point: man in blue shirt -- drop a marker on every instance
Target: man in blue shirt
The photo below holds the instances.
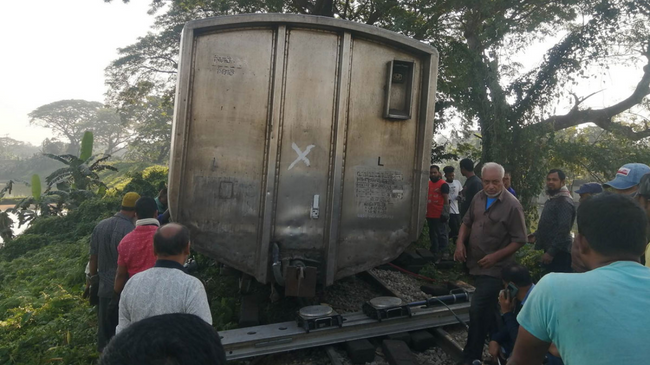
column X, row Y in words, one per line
column 599, row 317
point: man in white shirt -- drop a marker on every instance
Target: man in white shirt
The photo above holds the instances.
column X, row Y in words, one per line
column 454, row 192
column 165, row 288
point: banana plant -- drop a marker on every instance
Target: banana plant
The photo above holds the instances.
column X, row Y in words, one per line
column 39, row 204
column 80, row 173
column 6, row 223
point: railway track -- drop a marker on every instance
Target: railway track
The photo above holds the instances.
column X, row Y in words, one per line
column 325, row 329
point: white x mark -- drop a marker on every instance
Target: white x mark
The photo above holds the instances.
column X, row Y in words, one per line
column 302, row 156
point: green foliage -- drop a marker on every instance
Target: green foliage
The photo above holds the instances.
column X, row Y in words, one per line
column 56, row 229
column 594, row 154
column 147, row 182
column 530, row 258
column 42, row 315
column 222, row 293
column 429, row 270
column 86, row 146
column 38, row 205
column 81, row 173
column 151, row 119
column 441, row 152
column 6, row 227
column 36, row 186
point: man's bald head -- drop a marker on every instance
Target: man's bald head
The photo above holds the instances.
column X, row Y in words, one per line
column 171, row 239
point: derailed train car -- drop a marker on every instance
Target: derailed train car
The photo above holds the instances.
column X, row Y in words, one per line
column 301, row 145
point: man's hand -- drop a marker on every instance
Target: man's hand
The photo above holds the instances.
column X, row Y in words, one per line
column 547, row 259
column 494, row 350
column 488, row 261
column 532, row 238
column 507, row 304
column 86, row 293
column 460, row 254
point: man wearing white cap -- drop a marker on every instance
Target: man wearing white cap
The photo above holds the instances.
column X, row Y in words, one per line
column 627, row 179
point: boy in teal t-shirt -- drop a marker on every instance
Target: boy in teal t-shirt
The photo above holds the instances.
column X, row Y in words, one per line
column 601, row 316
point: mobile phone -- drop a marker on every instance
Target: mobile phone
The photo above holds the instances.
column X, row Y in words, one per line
column 512, row 290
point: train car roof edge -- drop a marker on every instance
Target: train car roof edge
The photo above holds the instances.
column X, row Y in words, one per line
column 310, row 20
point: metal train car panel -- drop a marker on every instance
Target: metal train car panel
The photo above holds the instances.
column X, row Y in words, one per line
column 301, row 145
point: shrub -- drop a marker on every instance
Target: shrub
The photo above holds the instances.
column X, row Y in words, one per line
column 529, row 257
column 148, row 182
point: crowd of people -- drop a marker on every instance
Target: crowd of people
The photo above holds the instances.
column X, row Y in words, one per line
column 146, row 299
column 589, row 307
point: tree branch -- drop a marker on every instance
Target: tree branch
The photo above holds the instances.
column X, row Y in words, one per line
column 304, row 6
column 603, row 117
column 156, row 70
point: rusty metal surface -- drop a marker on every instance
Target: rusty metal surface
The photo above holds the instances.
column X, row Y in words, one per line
column 280, row 136
column 300, row 281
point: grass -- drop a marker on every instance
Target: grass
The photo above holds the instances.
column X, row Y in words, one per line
column 43, row 318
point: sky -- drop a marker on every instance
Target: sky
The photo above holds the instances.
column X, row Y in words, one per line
column 58, row 49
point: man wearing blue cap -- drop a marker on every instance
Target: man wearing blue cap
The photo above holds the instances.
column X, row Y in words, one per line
column 627, row 179
column 589, row 189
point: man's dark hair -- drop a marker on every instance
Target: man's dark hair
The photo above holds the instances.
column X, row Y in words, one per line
column 171, row 245
column 613, row 224
column 517, row 274
column 168, row 339
column 434, row 167
column 467, row 164
column 560, row 174
column 146, row 207
column 448, row 169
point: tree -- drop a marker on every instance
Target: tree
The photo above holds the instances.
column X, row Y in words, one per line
column 478, row 82
column 110, row 131
column 53, row 146
column 11, row 149
column 595, row 154
column 67, row 118
column 152, row 123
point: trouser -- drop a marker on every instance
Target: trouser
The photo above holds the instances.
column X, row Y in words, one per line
column 561, row 263
column 437, row 235
column 483, row 313
column 454, row 225
column 104, row 328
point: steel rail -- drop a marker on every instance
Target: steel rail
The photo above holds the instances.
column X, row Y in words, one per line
column 287, row 336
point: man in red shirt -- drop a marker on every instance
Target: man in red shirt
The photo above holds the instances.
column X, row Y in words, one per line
column 135, row 252
column 437, row 211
